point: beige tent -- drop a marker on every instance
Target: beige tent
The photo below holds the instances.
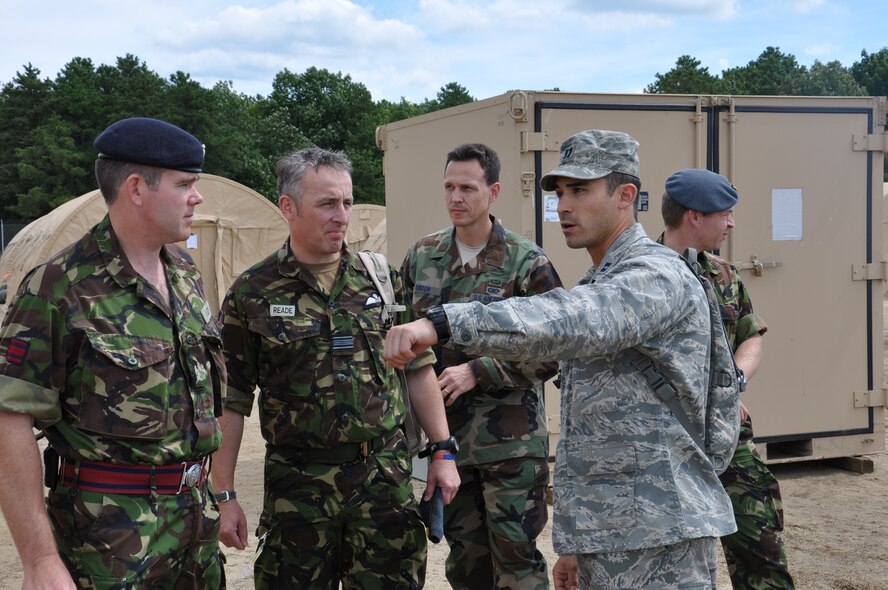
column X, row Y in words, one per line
column 233, row 228
column 366, row 230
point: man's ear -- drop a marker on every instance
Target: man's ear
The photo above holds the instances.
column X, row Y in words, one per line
column 628, row 193
column 133, row 188
column 287, row 206
column 494, row 191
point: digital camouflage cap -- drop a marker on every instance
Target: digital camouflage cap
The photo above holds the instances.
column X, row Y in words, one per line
column 595, row 154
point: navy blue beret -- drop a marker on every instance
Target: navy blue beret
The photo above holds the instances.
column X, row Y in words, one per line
column 151, row 142
column 701, row 190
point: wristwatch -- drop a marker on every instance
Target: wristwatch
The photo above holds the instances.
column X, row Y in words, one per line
column 448, row 444
column 438, row 318
column 225, row 496
column 742, row 381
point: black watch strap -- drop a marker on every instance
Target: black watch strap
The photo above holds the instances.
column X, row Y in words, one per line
column 448, row 444
column 438, row 317
column 225, row 496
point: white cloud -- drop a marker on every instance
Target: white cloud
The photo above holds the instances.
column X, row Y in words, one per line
column 717, row 9
column 805, row 6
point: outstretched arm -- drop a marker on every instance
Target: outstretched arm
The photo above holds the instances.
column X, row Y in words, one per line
column 403, row 343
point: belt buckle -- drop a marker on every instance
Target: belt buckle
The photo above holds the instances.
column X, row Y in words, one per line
column 190, row 475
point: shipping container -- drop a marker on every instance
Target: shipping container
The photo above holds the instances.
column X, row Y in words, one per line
column 808, row 240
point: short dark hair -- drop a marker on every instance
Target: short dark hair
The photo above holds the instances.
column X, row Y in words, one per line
column 673, row 212
column 110, row 174
column 486, row 156
column 617, row 179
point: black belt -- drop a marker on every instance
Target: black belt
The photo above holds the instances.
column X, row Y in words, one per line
column 344, row 453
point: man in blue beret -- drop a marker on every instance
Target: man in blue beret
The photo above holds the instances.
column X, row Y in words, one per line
column 111, row 350
column 698, row 210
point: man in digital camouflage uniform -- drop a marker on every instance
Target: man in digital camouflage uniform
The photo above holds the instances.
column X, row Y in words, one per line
column 698, row 213
column 111, row 350
column 637, row 503
column 495, row 408
column 306, row 326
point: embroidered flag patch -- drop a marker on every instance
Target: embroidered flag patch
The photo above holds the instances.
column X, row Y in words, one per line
column 17, row 351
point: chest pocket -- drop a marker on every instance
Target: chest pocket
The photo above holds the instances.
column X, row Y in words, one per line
column 124, row 386
column 289, row 346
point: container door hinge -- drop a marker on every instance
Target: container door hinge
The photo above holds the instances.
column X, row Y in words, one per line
column 874, row 142
column 876, row 271
column 533, row 142
column 527, row 184
column 870, row 399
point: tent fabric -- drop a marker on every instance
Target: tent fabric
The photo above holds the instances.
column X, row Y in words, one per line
column 233, row 228
column 366, row 230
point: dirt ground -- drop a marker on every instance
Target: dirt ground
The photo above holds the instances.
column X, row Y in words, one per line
column 835, row 526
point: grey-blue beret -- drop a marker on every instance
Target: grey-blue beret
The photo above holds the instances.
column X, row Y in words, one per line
column 701, row 190
column 151, row 142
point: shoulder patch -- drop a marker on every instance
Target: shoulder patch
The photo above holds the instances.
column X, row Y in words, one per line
column 17, row 350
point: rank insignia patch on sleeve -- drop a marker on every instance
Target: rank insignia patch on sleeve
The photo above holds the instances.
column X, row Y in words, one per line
column 17, row 351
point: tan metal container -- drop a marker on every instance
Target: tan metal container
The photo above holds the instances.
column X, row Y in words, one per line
column 808, row 239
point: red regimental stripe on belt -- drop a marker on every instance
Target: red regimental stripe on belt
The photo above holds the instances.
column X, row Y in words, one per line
column 130, row 479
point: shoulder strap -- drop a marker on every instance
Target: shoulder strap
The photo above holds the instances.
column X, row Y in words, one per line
column 378, row 269
column 664, row 390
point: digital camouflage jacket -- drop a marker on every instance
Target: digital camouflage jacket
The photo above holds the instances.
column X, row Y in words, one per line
column 105, row 366
column 316, row 357
column 505, row 415
column 627, row 475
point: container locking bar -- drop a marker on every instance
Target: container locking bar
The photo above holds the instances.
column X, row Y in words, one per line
column 757, row 266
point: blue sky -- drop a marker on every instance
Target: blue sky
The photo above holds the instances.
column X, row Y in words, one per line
column 401, row 48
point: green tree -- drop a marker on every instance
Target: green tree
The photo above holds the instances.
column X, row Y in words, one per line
column 450, row 95
column 129, row 89
column 24, row 105
column 336, row 113
column 389, row 112
column 831, row 79
column 248, row 138
column 773, row 73
column 687, row 77
column 871, row 72
column 50, row 165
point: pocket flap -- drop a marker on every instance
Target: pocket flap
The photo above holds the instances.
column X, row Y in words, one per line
column 130, row 352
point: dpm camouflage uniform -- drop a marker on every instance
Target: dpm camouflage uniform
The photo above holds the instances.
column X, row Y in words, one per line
column 755, row 554
column 628, row 477
column 112, row 373
column 338, row 497
column 493, row 522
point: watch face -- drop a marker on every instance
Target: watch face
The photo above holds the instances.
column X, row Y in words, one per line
column 450, row 444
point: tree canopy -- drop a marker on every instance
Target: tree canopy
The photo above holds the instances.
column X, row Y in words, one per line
column 47, row 126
